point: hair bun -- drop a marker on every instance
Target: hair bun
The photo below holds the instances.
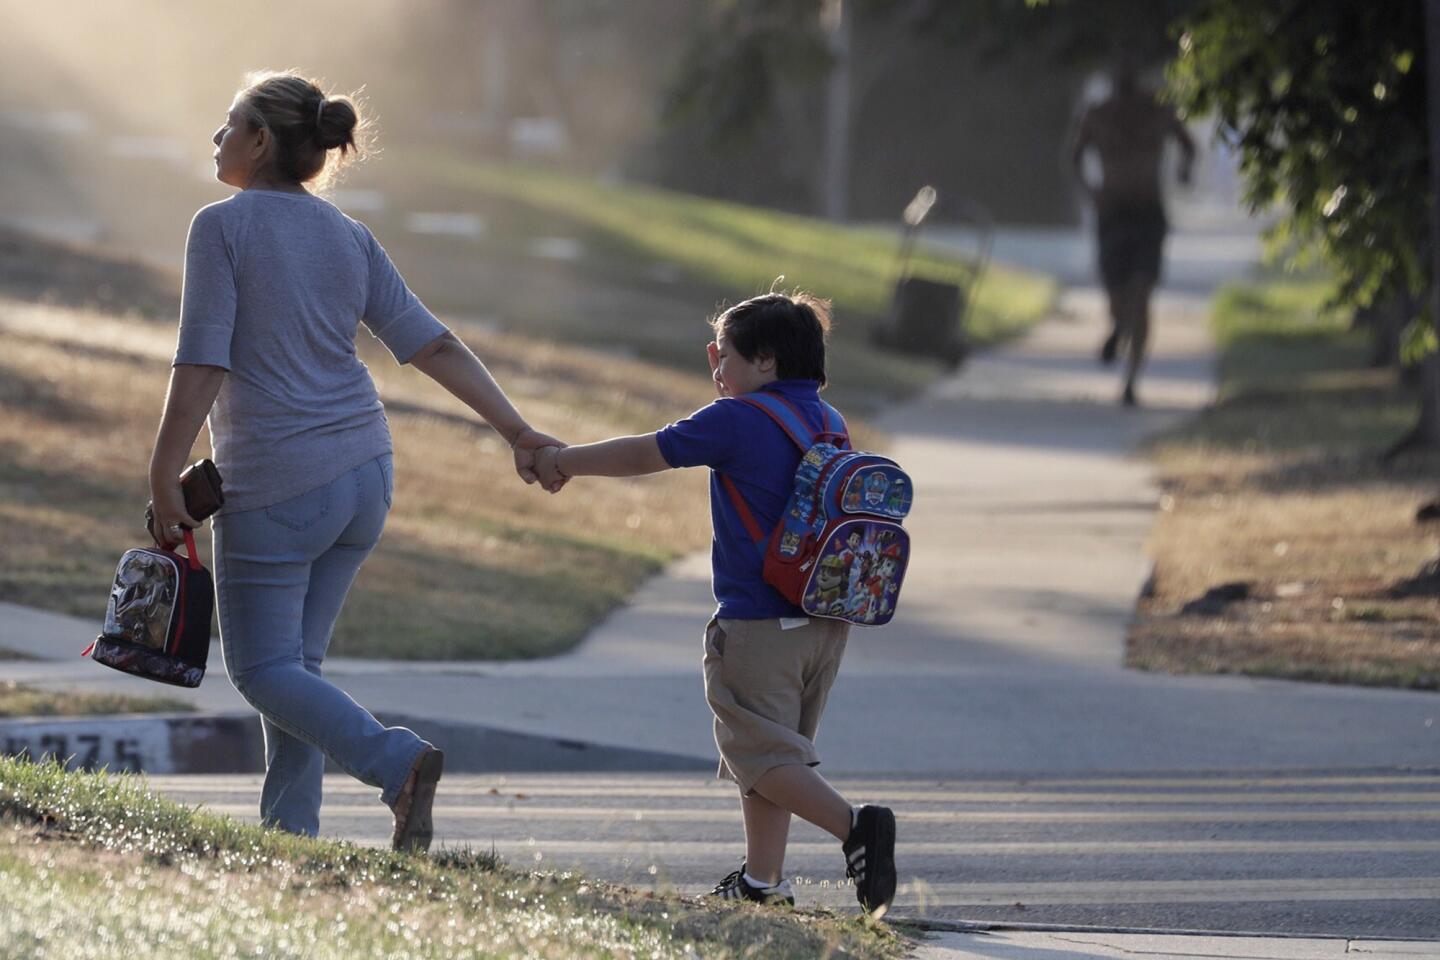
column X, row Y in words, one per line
column 337, row 120
column 305, row 123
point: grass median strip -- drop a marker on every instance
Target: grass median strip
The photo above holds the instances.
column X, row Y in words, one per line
column 18, row 700
column 90, row 863
column 1283, row 547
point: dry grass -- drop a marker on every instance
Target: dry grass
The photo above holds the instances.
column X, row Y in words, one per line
column 474, row 563
column 1279, row 488
column 21, row 701
column 34, row 269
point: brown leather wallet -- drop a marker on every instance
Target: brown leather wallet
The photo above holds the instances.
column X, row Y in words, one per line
column 203, row 489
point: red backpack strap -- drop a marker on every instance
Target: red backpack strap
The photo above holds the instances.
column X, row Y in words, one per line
column 835, row 430
column 194, row 557
column 786, row 417
column 752, row 527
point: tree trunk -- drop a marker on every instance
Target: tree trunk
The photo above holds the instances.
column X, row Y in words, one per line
column 1385, row 322
column 1427, row 432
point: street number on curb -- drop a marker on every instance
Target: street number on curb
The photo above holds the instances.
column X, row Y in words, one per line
column 88, row 751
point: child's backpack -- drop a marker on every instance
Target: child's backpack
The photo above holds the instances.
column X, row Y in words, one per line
column 157, row 624
column 839, row 550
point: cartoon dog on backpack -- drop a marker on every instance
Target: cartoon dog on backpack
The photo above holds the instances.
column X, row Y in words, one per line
column 873, row 601
column 830, row 585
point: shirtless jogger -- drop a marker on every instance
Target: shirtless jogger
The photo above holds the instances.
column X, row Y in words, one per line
column 1128, row 130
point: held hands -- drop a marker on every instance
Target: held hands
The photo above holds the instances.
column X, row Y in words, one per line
column 547, row 468
column 528, row 445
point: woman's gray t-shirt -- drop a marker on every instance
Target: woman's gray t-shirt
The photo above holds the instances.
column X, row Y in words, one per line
column 276, row 285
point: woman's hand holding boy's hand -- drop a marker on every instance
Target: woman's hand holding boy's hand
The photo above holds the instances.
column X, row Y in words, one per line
column 547, row 469
column 526, row 442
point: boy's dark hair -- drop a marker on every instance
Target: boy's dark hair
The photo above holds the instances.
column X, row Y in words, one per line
column 791, row 327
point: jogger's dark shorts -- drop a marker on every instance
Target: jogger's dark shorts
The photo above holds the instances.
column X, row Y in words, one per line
column 1131, row 240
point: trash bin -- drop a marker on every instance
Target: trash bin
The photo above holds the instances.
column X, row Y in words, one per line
column 927, row 313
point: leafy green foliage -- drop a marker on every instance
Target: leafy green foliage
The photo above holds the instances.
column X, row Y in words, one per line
column 1095, row 33
column 1325, row 102
column 733, row 70
column 749, row 51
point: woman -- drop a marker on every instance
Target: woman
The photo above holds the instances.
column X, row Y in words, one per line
column 277, row 281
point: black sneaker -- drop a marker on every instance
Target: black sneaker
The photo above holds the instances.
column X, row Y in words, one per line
column 736, row 887
column 870, row 858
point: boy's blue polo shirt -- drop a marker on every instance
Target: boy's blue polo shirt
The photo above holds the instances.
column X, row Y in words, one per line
column 732, row 437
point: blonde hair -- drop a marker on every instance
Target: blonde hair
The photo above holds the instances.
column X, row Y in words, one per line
column 305, row 125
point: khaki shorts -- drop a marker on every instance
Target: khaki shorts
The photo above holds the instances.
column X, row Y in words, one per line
column 767, row 688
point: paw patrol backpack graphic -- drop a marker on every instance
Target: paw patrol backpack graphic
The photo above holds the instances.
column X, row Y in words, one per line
column 839, row 550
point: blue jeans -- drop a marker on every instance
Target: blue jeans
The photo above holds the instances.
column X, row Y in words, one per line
column 281, row 576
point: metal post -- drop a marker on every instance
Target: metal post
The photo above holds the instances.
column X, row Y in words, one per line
column 835, row 174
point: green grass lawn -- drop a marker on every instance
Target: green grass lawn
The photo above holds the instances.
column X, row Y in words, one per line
column 93, row 865
column 1279, row 486
column 1274, row 334
column 742, row 248
column 1293, row 376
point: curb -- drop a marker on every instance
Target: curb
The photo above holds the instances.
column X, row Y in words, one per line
column 479, row 749
column 234, row 743
column 1000, row 926
column 140, row 743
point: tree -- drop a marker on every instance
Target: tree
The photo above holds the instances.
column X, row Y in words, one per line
column 750, row 52
column 1324, row 100
column 1326, row 103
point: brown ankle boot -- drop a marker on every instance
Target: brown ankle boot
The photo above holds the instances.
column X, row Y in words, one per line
column 414, row 828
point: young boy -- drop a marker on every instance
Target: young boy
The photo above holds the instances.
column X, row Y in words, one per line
column 768, row 667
